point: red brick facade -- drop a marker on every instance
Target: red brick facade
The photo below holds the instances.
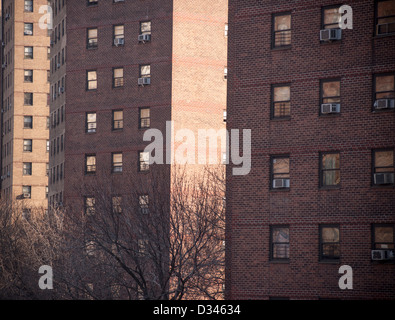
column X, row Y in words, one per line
column 356, row 204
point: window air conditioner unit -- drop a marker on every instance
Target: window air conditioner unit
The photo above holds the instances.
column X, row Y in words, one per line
column 119, row 0
column 119, row 42
column 144, row 81
column 8, row 174
column 330, row 34
column 144, row 37
column 380, row 255
column 26, row 195
column 61, row 89
column 58, row 65
column 384, row 103
column 330, row 108
column 384, row 178
column 4, row 65
column 280, row 183
column 7, row 16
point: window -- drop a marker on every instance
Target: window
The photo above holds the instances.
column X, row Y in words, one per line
column 383, row 167
column 116, row 203
column 144, row 204
column 226, row 30
column 281, row 30
column 119, row 35
column 27, row 145
column 27, row 168
column 28, row 122
column 383, row 236
column 145, row 27
column 28, row 52
column 92, row 80
column 116, row 162
column 90, row 164
column 145, row 118
column 330, row 92
column 28, row 5
column 145, row 71
column 225, row 73
column 91, row 122
column 330, row 169
column 28, row 99
column 27, row 192
column 48, row 146
column 331, row 18
column 279, row 242
column 384, row 88
column 117, row 122
column 280, row 172
column 117, row 77
column 28, row 29
column 46, row 192
column 329, row 242
column 89, row 206
column 92, row 2
column 385, row 17
column 92, row 38
column 48, row 122
column 143, row 161
column 281, row 101
column 28, row 75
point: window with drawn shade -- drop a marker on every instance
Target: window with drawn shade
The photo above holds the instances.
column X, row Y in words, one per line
column 117, row 123
column 330, row 91
column 329, row 242
column 383, row 164
column 383, row 236
column 92, row 38
column 281, row 30
column 89, row 206
column 116, row 162
column 143, row 161
column 281, row 102
column 144, row 204
column 385, row 17
column 90, row 164
column 119, row 32
column 91, row 122
column 280, row 170
column 279, row 243
column 331, row 18
column 330, row 169
column 92, row 80
column 118, row 77
column 116, row 202
column 145, row 27
column 384, row 86
column 145, row 118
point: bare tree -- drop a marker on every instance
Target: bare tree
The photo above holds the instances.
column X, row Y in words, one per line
column 163, row 240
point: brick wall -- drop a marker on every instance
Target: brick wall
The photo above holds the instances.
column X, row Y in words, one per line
column 252, row 208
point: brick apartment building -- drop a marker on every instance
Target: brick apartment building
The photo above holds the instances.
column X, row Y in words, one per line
column 25, row 109
column 321, row 191
column 125, row 67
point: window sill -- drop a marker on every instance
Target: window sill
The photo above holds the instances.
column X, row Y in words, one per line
column 330, row 188
column 333, row 261
column 383, row 186
column 281, row 48
column 329, row 115
column 280, row 190
column 386, row 35
column 281, row 119
column 333, row 42
column 280, row 261
column 383, row 110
